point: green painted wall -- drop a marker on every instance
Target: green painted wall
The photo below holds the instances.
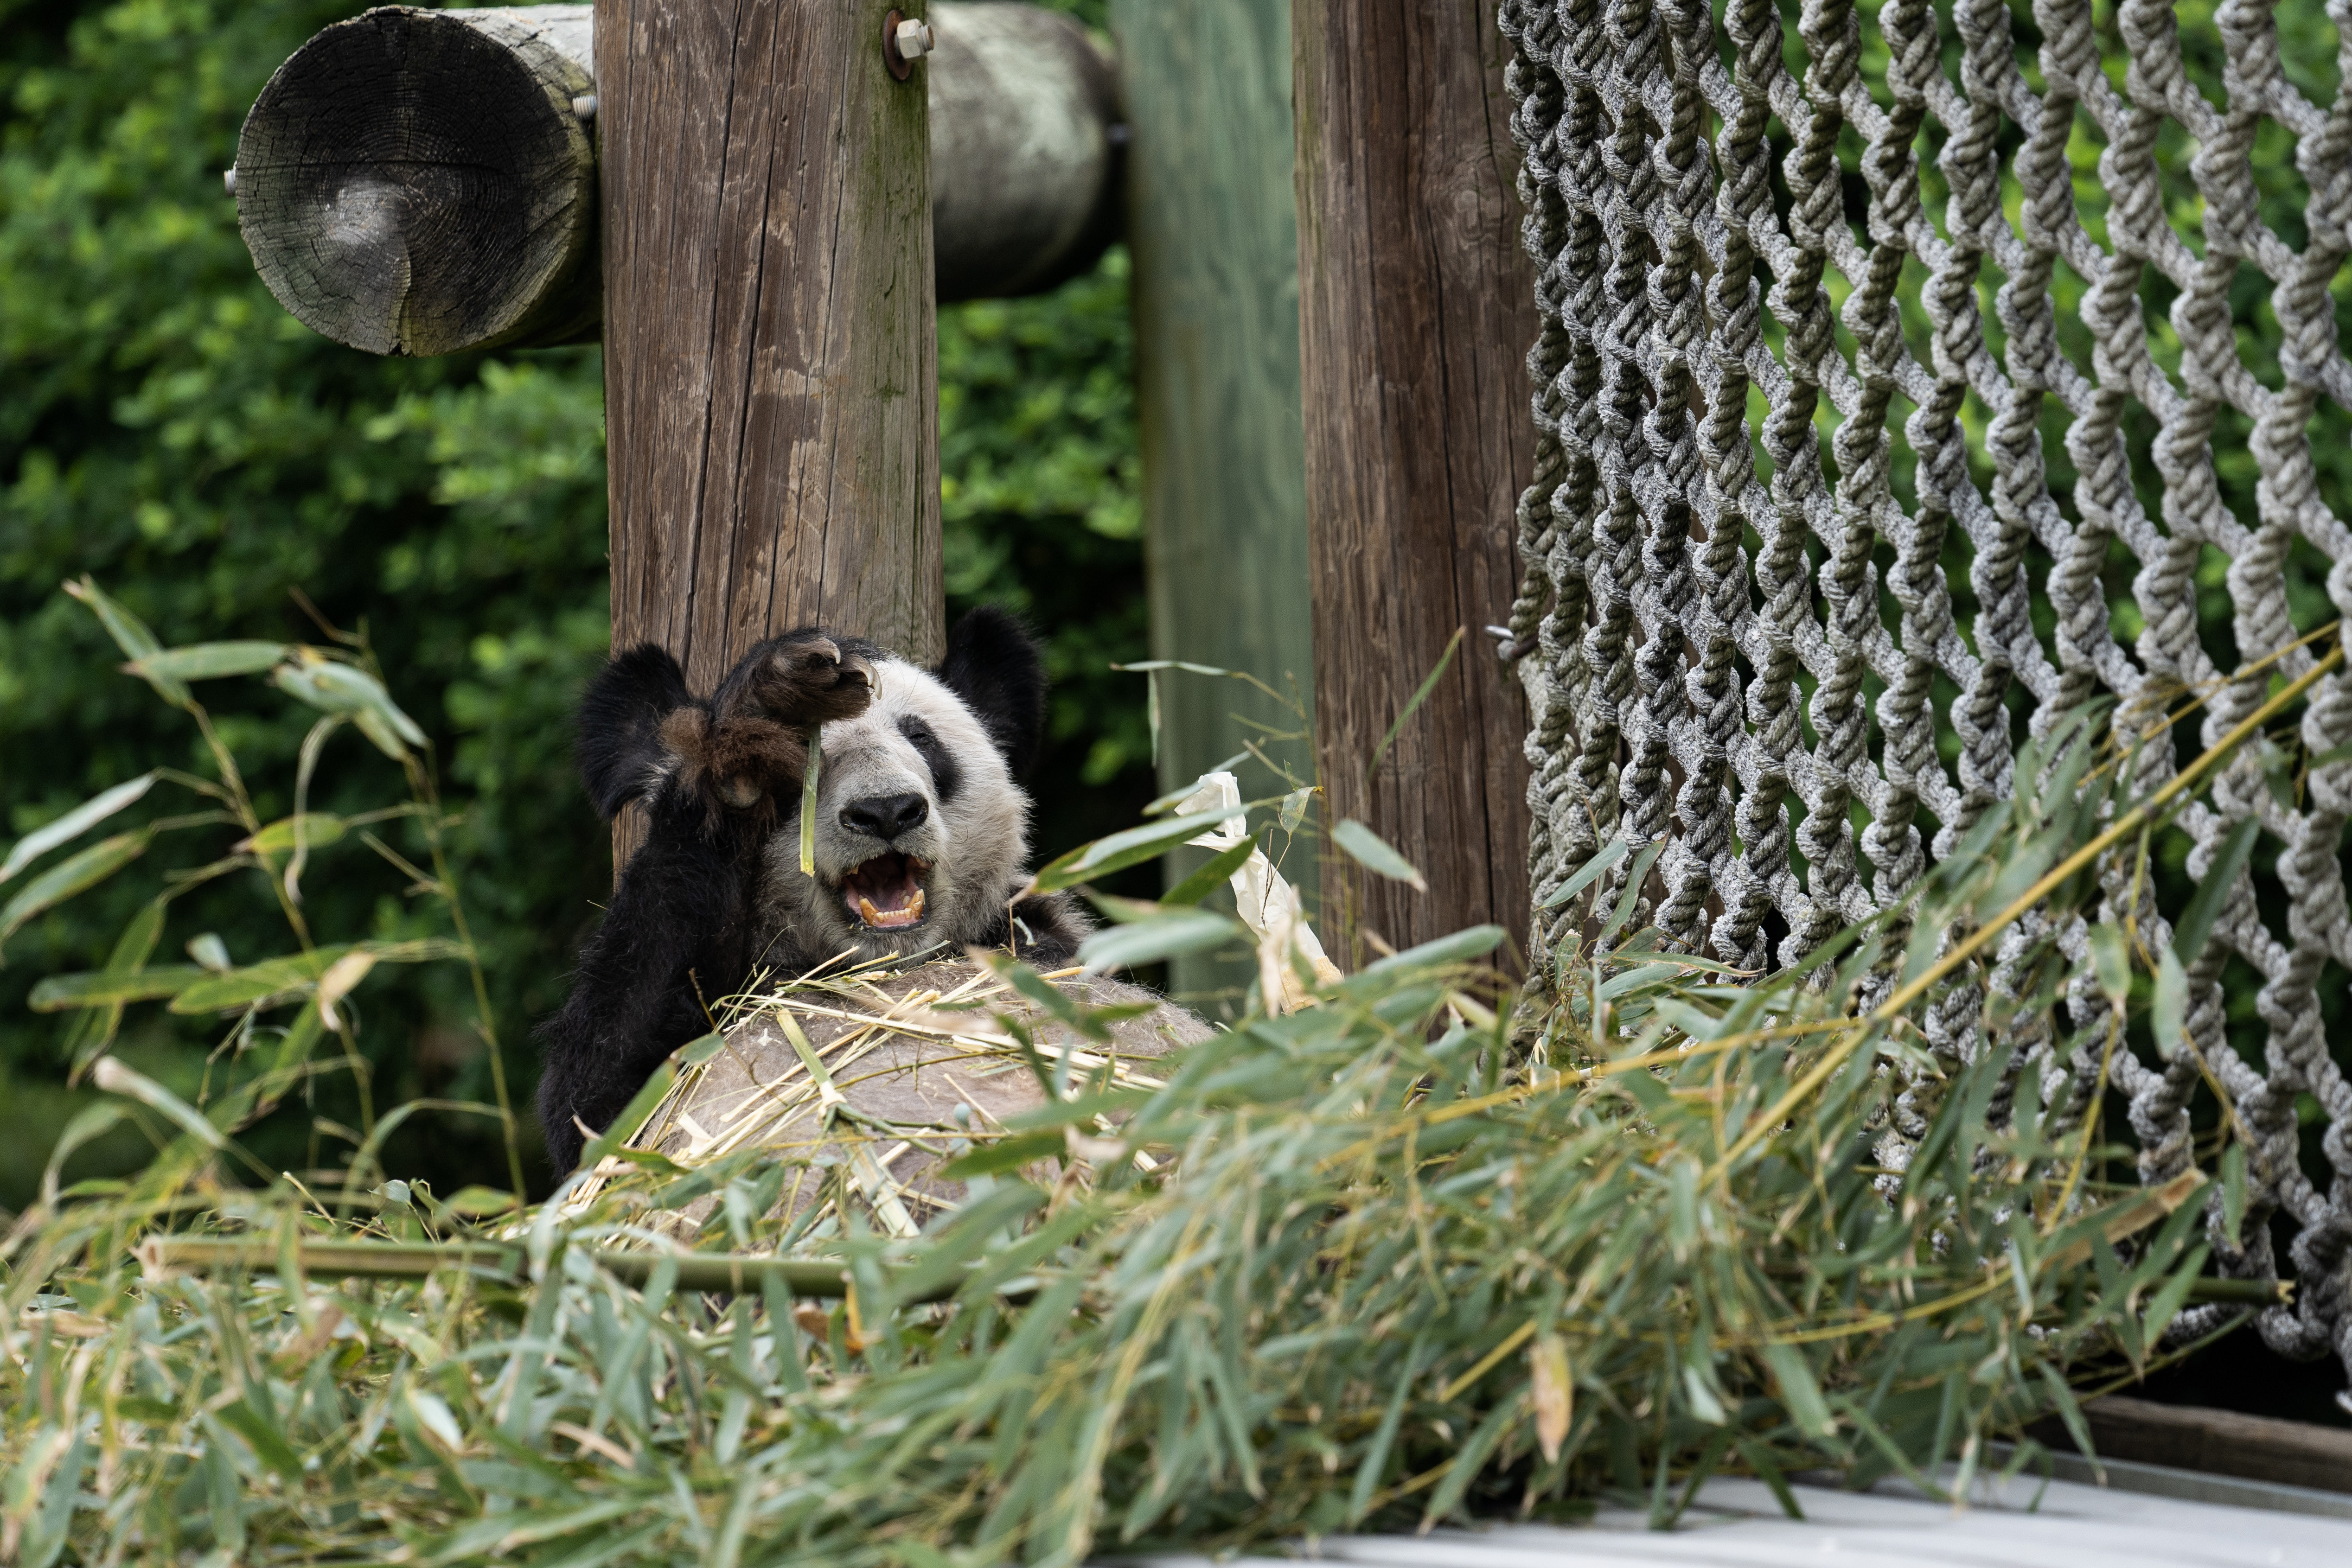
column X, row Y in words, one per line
column 1213, row 221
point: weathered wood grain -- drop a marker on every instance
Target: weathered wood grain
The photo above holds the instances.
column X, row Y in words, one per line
column 2214, row 1442
column 1212, row 221
column 418, row 182
column 1415, row 311
column 771, row 367
column 771, row 380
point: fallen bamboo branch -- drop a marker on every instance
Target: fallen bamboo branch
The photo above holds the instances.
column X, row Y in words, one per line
column 718, row 1272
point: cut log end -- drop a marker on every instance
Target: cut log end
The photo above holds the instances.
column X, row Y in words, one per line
column 418, row 182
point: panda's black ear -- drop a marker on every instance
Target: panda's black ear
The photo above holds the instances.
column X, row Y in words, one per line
column 619, row 739
column 993, row 665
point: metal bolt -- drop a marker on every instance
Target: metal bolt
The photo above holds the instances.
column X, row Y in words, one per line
column 905, row 41
column 583, row 108
column 228, row 180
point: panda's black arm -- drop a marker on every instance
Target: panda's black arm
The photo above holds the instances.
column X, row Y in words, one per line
column 672, row 937
column 618, row 741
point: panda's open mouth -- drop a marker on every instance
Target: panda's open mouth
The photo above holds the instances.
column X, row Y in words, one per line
column 886, row 892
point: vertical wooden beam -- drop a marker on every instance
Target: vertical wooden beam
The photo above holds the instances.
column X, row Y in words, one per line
column 1213, row 221
column 1415, row 311
column 771, row 367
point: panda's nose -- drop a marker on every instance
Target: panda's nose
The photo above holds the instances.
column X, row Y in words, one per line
column 885, row 816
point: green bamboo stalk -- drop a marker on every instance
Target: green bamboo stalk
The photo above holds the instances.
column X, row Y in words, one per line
column 722, row 1273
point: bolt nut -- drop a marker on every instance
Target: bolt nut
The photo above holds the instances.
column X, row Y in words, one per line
column 583, row 108
column 905, row 41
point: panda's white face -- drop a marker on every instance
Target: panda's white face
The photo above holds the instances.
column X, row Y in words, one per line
column 921, row 833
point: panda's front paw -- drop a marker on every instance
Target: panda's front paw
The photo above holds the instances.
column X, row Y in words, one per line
column 813, row 682
column 755, row 746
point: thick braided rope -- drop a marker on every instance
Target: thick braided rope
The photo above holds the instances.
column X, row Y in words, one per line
column 1738, row 630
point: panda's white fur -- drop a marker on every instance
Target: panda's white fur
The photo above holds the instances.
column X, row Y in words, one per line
column 973, row 839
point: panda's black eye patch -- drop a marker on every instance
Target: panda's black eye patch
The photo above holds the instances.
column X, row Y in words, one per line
column 946, row 776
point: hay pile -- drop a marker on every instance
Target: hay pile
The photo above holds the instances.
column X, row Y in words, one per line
column 880, row 1074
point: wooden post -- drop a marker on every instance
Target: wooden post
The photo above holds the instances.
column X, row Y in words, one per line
column 771, row 367
column 1213, row 221
column 1416, row 311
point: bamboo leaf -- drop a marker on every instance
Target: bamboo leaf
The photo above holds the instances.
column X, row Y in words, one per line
column 1146, row 667
column 275, row 979
column 106, row 987
column 1177, row 796
column 1476, row 942
column 89, row 1122
column 332, row 686
column 77, row 873
column 1372, row 852
column 117, row 1079
column 257, row 982
column 2169, row 1016
column 1131, row 846
column 270, row 1445
column 2111, row 961
column 131, row 634
column 208, row 661
column 633, row 1116
column 1002, row 1155
column 1799, row 1391
column 1420, row 695
column 1631, row 898
column 2233, row 1192
column 2213, row 889
column 317, row 828
column 94, row 1031
column 1210, row 877
column 1162, row 936
column 1608, row 854
column 74, row 823
column 1553, row 1389
column 809, row 799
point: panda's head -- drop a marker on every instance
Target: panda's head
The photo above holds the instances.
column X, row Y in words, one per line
column 921, row 823
column 921, row 830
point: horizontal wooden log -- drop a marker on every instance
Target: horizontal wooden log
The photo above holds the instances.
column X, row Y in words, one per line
column 1025, row 150
column 417, row 181
column 2214, row 1442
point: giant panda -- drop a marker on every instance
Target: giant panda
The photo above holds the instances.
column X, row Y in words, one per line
column 922, row 838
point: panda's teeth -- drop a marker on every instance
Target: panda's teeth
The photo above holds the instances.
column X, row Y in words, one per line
column 909, row 913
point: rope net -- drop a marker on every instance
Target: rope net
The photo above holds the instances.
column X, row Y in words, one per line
column 1911, row 375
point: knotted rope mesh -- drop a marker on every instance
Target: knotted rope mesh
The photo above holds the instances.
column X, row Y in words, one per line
column 1911, row 374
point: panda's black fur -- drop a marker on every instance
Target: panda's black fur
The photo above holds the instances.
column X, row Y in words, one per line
column 918, row 807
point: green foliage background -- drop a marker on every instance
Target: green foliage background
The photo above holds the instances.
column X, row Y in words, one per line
column 166, row 427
